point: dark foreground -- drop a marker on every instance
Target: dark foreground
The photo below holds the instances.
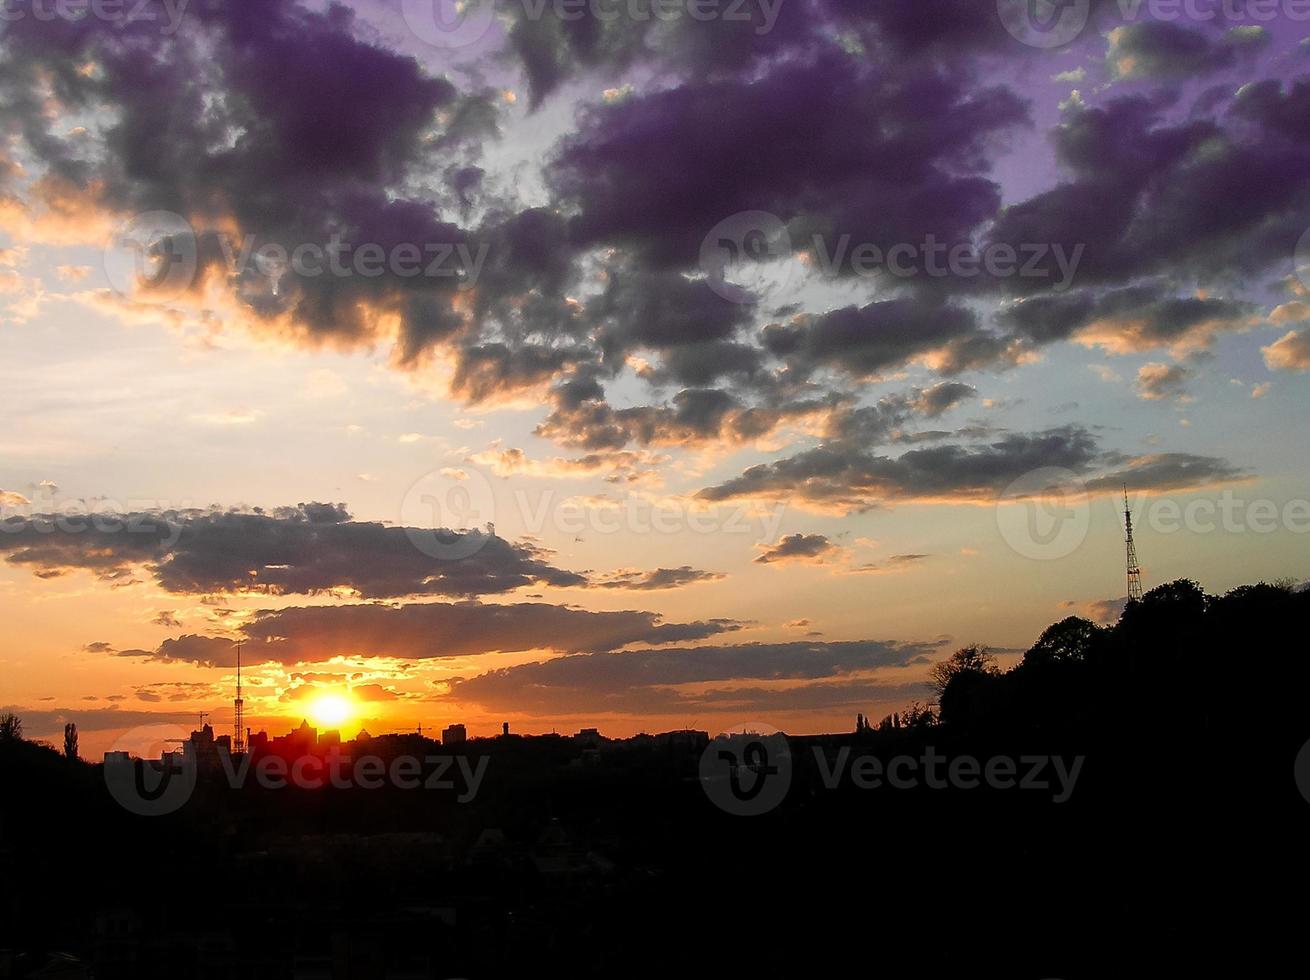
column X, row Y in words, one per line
column 1181, row 848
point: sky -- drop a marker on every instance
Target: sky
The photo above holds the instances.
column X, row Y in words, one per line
column 607, row 365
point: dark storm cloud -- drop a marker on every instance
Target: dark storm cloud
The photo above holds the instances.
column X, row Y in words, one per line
column 1162, row 472
column 682, row 328
column 819, row 696
column 701, row 365
column 941, row 398
column 527, row 273
column 798, row 547
column 947, row 26
column 1138, row 317
column 664, row 310
column 312, row 104
column 895, row 563
column 849, row 166
column 693, row 415
column 847, row 476
column 637, row 681
column 865, row 342
column 1148, row 197
column 657, row 580
column 1157, row 382
column 553, row 49
column 305, row 549
column 315, row 634
column 279, row 123
column 1165, row 49
column 488, row 370
column 863, row 123
column 882, row 157
column 50, row 721
column 1276, row 109
column 849, row 695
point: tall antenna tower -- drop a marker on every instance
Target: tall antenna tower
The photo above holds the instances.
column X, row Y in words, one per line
column 239, row 737
column 1134, row 570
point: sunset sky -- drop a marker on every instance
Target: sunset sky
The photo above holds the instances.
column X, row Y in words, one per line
column 724, row 491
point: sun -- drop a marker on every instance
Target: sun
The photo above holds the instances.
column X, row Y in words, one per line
column 331, row 710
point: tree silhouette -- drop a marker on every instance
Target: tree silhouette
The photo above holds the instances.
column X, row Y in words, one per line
column 973, row 659
column 962, row 681
column 11, row 728
column 70, row 741
column 1070, row 641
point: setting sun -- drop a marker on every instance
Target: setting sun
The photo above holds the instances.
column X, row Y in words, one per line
column 331, row 710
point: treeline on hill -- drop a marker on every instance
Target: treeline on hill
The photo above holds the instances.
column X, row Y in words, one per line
column 1177, row 659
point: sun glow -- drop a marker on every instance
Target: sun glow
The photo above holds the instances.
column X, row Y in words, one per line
column 331, row 710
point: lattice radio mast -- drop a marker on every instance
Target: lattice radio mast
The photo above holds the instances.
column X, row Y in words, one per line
column 1134, row 570
column 239, row 737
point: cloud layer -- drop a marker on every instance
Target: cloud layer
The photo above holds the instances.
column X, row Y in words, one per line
column 295, row 550
column 676, row 680
column 426, row 631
